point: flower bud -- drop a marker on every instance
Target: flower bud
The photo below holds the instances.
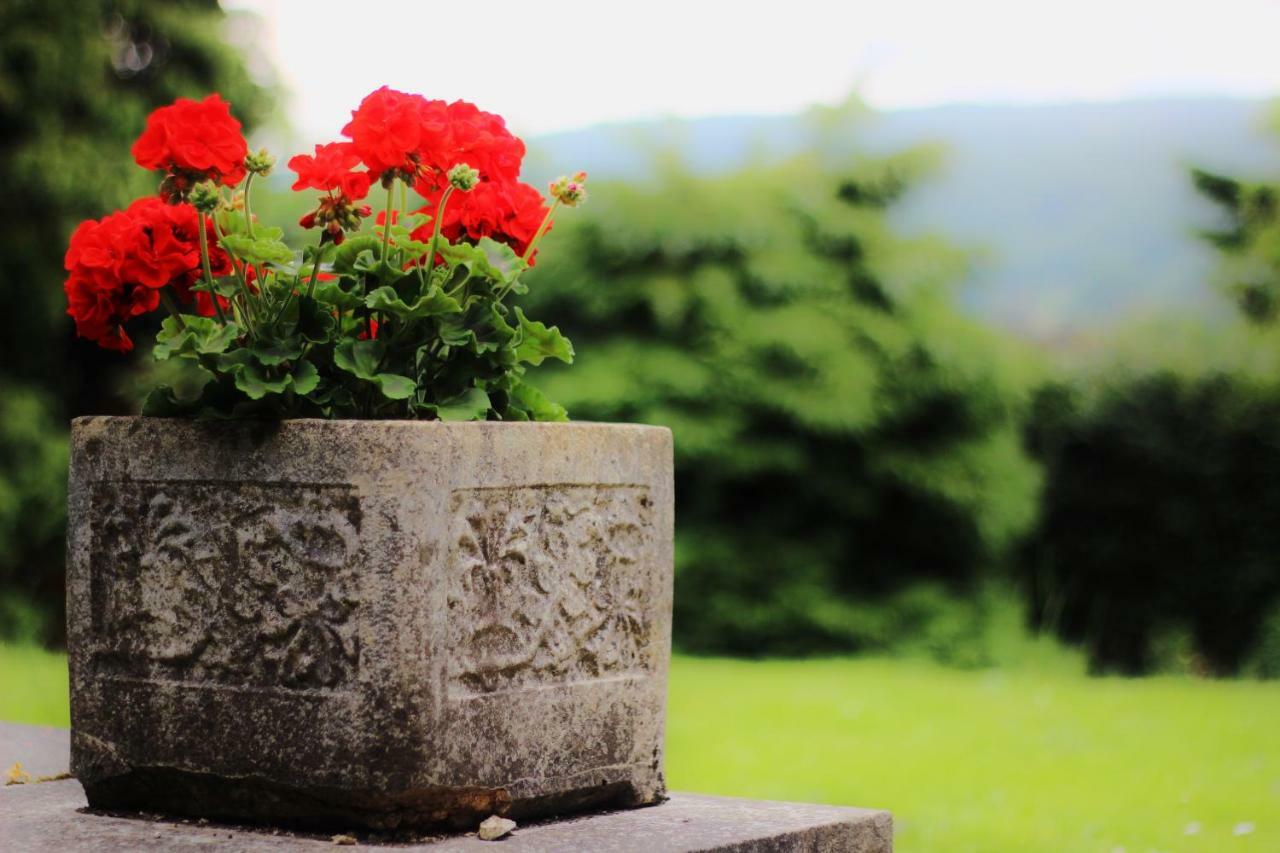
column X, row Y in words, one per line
column 463, row 177
column 260, row 162
column 205, row 197
column 570, row 192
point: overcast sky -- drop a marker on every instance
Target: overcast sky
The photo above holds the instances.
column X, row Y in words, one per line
column 548, row 65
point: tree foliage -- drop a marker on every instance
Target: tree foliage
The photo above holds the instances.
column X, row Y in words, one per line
column 77, row 79
column 841, row 432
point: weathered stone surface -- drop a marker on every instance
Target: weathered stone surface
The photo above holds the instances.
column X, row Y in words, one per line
column 368, row 623
column 41, row 750
column 47, row 818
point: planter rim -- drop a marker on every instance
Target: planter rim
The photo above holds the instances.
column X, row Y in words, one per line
column 384, row 423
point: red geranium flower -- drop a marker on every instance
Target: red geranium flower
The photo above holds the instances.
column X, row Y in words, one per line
column 330, row 170
column 422, row 140
column 474, row 137
column 118, row 265
column 194, row 141
column 509, row 212
column 388, row 128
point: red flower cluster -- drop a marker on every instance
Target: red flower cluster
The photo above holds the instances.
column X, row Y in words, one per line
column 118, row 265
column 409, row 137
column 193, row 141
column 330, row 170
column 418, row 139
column 509, row 212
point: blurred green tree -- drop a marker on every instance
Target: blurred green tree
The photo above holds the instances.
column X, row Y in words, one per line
column 843, row 435
column 77, row 79
column 1158, row 518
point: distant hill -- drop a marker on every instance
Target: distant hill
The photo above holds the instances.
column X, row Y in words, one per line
column 1084, row 210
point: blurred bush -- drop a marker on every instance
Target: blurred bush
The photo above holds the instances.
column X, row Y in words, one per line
column 848, row 448
column 77, row 79
column 33, row 507
column 1158, row 533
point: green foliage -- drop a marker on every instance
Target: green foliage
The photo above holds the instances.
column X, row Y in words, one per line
column 384, row 338
column 841, row 433
column 33, row 507
column 1248, row 240
column 1157, row 546
column 77, row 80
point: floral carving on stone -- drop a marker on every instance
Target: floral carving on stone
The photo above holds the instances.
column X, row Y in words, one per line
column 251, row 584
column 537, row 594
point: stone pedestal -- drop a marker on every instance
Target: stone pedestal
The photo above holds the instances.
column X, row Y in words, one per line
column 49, row 817
column 380, row 624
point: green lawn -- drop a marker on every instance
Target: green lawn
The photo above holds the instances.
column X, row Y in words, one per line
column 1021, row 759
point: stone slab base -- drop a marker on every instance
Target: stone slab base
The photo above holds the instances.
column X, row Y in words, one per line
column 51, row 816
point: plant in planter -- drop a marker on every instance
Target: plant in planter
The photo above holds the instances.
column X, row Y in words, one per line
column 404, row 320
column 300, row 596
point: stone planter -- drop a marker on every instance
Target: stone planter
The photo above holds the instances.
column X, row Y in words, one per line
column 372, row 623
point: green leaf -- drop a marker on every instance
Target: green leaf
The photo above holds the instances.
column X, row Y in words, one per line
column 331, row 293
column 316, row 322
column 536, row 403
column 539, row 342
column 362, row 359
column 256, row 384
column 471, row 405
column 344, row 257
column 455, row 333
column 305, row 377
column 433, row 302
column 263, row 248
column 495, row 334
column 162, row 402
column 278, row 352
column 488, row 259
column 502, row 258
column 196, row 336
column 395, row 387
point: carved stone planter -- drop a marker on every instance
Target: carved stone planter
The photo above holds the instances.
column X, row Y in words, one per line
column 373, row 623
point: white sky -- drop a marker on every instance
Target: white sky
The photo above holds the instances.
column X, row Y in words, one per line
column 548, row 65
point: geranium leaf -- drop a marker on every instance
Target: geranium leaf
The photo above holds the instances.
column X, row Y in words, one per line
column 359, row 358
column 344, row 258
column 471, row 405
column 305, row 377
column 395, row 386
column 260, row 249
column 331, row 293
column 536, row 403
column 539, row 342
column 196, row 336
column 432, row 303
column 278, row 352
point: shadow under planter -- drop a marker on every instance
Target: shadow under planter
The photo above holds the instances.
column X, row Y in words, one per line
column 372, row 623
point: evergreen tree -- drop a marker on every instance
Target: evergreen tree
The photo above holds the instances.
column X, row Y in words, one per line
column 77, row 80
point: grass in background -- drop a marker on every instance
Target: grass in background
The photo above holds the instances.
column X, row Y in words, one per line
column 1035, row 756
column 993, row 760
column 33, row 686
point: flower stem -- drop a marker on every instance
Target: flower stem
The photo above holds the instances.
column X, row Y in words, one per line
column 248, row 212
column 435, row 231
column 208, row 270
column 247, row 297
column 386, row 223
column 172, row 308
column 315, row 269
column 542, row 229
